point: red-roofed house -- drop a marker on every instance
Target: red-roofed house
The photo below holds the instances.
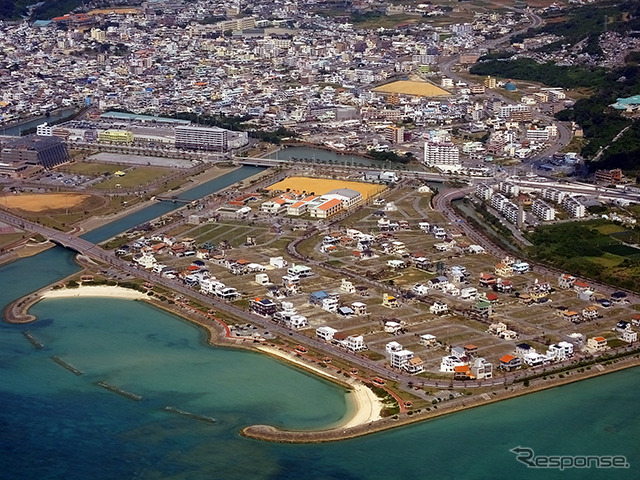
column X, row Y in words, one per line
column 509, row 362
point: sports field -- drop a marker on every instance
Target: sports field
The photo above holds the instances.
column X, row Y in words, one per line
column 43, row 202
column 408, row 87
column 320, row 186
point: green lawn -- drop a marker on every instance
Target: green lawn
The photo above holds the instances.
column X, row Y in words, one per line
column 92, row 169
column 135, row 177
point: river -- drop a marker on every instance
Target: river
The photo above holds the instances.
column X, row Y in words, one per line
column 319, row 155
column 16, row 130
column 56, row 425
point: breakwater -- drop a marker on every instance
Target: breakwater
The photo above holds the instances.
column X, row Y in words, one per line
column 67, row 365
column 120, row 391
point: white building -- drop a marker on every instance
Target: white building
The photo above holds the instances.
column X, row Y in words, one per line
column 398, row 359
column 441, row 153
column 484, row 191
column 481, row 368
column 354, row 343
column 326, row 333
column 543, row 210
column 201, row 138
column 553, row 194
column 449, row 363
column 574, row 207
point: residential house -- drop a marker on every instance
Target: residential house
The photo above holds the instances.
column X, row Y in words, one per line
column 462, row 372
column 326, row 333
column 263, row 307
column 277, row 262
column 300, row 271
column 629, row 336
column 503, row 270
column 428, row 340
column 597, row 344
column 590, row 312
column 560, row 351
column 392, row 327
column 571, row 315
column 523, row 349
column 449, row 363
column 355, row 343
column 486, row 280
column 534, row 359
column 481, row 368
column 393, row 347
column 398, row 358
column 414, row 366
column 439, row 308
column 359, row 308
column 509, row 362
column 389, row 301
column 468, row 293
column 347, row 286
column 566, row 281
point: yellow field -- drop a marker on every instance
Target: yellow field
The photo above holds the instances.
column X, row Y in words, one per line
column 408, row 87
column 320, row 186
column 43, row 202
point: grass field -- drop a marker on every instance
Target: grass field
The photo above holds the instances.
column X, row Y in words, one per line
column 92, row 169
column 135, row 177
column 407, row 87
column 320, row 186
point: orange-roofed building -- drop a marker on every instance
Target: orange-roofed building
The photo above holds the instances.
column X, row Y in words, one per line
column 509, row 362
column 327, row 209
column 597, row 344
column 462, row 372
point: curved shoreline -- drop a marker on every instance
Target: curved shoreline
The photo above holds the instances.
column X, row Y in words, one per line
column 366, row 417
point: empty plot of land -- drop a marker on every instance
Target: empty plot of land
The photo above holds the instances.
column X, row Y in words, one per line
column 43, row 202
column 105, row 157
column 320, row 186
column 409, row 87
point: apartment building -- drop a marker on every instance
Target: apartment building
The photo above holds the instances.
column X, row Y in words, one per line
column 201, row 138
column 543, row 210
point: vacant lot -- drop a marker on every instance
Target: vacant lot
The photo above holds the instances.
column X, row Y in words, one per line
column 320, row 186
column 44, row 202
column 407, row 87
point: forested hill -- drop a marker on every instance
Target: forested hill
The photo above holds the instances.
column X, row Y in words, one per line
column 15, row 9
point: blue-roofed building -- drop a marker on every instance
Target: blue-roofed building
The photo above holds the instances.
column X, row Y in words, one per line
column 629, row 104
column 316, row 298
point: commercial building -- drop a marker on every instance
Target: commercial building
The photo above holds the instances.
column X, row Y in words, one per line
column 201, row 138
column 115, row 136
column 34, row 150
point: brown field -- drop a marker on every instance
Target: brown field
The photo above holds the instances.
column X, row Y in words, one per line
column 320, row 186
column 43, row 202
column 408, row 87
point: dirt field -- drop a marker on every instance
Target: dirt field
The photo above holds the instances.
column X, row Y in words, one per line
column 406, row 87
column 43, row 202
column 320, row 186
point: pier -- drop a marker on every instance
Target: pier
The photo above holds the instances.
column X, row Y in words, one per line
column 32, row 340
column 66, row 365
column 119, row 391
column 201, row 418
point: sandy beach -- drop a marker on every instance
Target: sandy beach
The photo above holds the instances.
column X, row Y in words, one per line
column 110, row 291
column 366, row 405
